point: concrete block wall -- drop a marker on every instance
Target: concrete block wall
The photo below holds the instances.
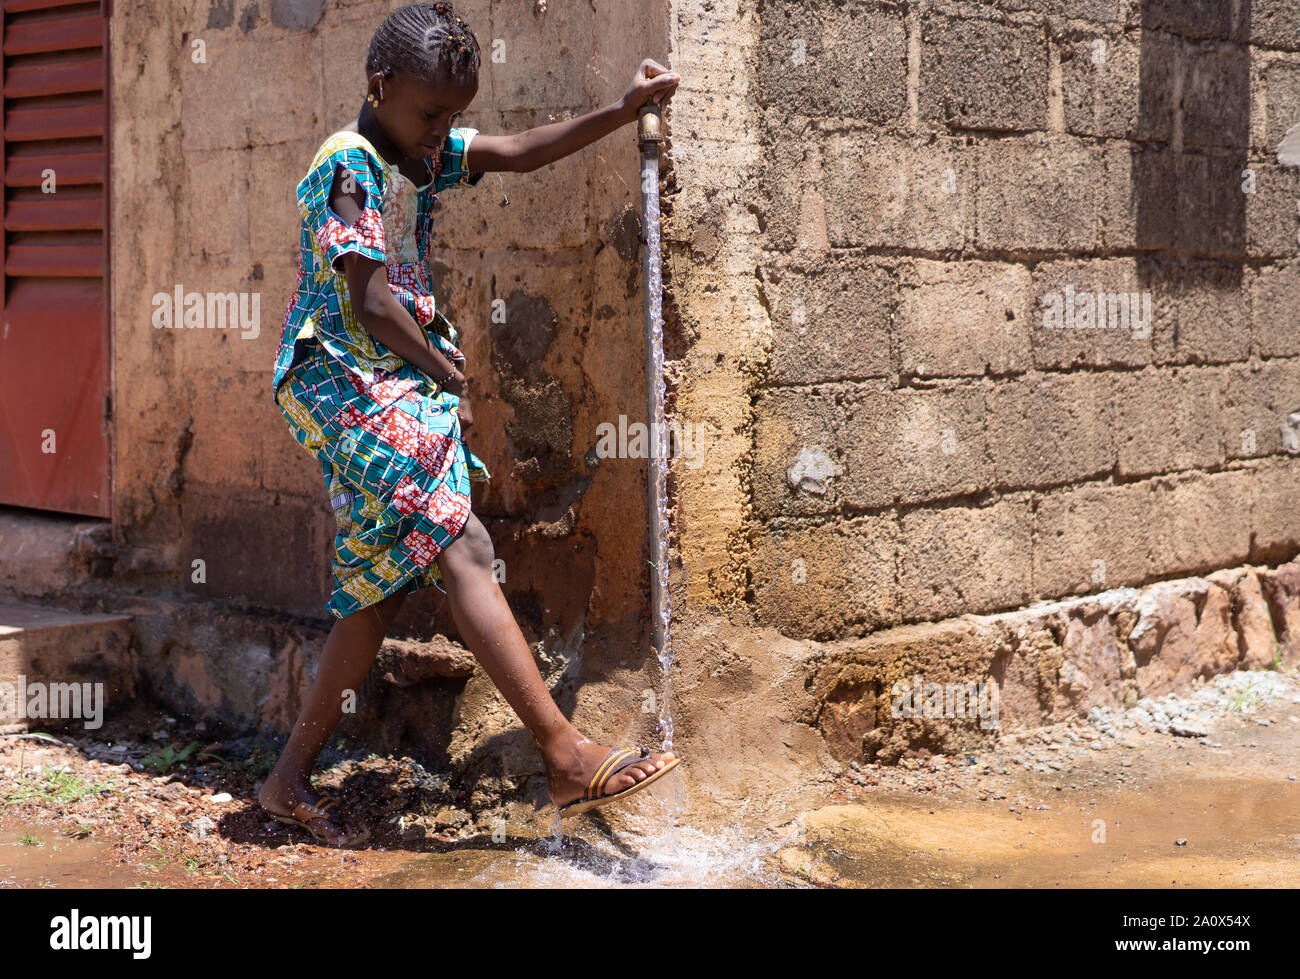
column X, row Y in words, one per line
column 907, row 437
column 1050, row 663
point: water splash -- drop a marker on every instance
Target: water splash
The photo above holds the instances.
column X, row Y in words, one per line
column 666, row 855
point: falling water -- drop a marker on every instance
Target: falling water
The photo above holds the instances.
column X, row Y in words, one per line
column 652, row 273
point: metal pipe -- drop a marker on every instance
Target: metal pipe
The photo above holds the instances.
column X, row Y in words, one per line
column 649, row 136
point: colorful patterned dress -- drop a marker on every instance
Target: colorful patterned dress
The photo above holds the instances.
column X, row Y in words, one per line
column 388, row 438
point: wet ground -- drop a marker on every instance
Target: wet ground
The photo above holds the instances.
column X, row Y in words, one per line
column 1198, row 791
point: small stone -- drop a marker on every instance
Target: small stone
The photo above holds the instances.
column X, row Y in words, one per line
column 1180, row 842
column 414, row 832
column 451, row 818
column 202, row 827
column 221, row 797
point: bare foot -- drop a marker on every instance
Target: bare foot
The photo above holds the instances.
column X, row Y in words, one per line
column 572, row 763
column 280, row 796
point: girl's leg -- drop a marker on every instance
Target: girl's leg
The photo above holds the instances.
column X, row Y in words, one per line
column 489, row 629
column 349, row 652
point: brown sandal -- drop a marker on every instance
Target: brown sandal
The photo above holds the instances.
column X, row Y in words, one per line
column 303, row 815
column 617, row 760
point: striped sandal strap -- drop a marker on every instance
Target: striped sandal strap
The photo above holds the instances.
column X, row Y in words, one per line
column 306, row 811
column 617, row 760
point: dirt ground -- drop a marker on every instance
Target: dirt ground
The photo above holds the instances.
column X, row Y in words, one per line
column 1199, row 790
column 150, row 802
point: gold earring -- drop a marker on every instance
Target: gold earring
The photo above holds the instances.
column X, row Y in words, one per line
column 370, row 97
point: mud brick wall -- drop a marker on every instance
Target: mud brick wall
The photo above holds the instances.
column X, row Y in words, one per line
column 878, row 200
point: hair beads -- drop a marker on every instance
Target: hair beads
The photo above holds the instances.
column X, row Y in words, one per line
column 422, row 39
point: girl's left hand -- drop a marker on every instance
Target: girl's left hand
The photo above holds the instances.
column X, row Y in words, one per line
column 653, row 83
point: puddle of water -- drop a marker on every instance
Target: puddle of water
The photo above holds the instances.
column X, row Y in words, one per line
column 1238, row 833
column 54, row 861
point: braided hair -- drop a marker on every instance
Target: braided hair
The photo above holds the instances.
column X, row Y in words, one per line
column 421, row 39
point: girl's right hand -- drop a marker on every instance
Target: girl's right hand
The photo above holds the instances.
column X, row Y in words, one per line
column 653, row 83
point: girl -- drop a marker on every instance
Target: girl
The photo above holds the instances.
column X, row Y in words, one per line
column 371, row 381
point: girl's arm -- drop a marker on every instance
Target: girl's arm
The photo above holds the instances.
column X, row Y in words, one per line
column 378, row 310
column 534, row 148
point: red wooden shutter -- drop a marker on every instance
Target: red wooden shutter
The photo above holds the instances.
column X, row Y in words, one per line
column 54, row 350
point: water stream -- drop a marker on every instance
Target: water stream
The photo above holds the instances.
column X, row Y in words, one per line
column 657, row 508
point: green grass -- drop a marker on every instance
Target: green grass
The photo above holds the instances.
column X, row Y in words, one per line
column 55, row 785
column 259, row 763
column 27, row 840
column 1244, row 701
column 169, row 757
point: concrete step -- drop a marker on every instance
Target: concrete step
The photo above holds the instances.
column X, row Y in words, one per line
column 48, row 554
column 61, row 670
